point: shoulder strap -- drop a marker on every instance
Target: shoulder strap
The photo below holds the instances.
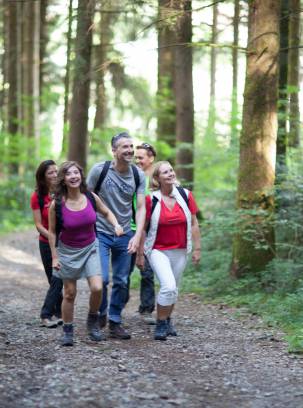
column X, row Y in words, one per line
column 154, row 203
column 183, row 194
column 41, row 202
column 136, row 176
column 59, row 219
column 92, row 199
column 102, row 176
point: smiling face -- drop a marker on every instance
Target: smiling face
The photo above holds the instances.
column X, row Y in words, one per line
column 72, row 177
column 166, row 175
column 124, row 150
column 143, row 159
column 51, row 175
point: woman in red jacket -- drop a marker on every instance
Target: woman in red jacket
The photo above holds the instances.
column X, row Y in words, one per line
column 173, row 226
column 46, row 176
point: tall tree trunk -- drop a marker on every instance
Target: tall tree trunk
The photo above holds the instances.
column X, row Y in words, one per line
column 81, row 84
column 12, row 99
column 106, row 35
column 166, row 103
column 234, row 102
column 213, row 68
column 43, row 41
column 294, row 74
column 283, row 103
column 31, row 76
column 254, row 243
column 67, row 78
column 184, row 94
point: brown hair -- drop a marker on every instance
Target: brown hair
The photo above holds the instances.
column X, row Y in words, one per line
column 150, row 150
column 41, row 184
column 61, row 190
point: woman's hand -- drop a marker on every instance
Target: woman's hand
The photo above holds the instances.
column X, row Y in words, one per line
column 118, row 230
column 56, row 264
column 140, row 261
column 196, row 256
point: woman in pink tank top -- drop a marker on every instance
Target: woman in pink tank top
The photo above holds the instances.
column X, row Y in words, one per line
column 76, row 255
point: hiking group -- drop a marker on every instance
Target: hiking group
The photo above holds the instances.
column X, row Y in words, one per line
column 125, row 215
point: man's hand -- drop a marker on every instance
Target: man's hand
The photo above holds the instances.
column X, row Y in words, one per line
column 140, row 261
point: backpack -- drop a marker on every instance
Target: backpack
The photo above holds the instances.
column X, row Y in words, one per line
column 103, row 175
column 41, row 202
column 155, row 200
column 58, row 212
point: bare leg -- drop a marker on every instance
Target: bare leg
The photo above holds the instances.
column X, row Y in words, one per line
column 70, row 291
column 95, row 286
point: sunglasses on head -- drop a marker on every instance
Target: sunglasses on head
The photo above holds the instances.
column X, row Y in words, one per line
column 147, row 146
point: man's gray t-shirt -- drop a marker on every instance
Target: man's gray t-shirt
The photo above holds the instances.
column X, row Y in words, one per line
column 117, row 191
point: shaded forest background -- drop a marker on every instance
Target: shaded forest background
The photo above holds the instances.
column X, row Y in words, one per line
column 213, row 85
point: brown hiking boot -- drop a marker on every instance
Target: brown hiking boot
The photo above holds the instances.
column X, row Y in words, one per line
column 117, row 331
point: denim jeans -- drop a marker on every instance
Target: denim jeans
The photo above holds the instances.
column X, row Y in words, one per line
column 53, row 298
column 120, row 259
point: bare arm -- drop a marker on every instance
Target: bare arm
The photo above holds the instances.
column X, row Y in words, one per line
column 108, row 215
column 52, row 235
column 38, row 222
column 140, row 221
column 195, row 231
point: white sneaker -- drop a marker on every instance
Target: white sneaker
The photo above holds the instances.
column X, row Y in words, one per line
column 49, row 323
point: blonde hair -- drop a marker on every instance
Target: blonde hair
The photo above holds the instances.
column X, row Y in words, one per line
column 154, row 179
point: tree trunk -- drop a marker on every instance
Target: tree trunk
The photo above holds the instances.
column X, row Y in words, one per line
column 283, row 103
column 166, row 103
column 67, row 78
column 11, row 56
column 184, row 95
column 31, row 76
column 254, row 243
column 294, row 74
column 234, row 102
column 81, row 84
column 106, row 35
column 213, row 68
column 43, row 43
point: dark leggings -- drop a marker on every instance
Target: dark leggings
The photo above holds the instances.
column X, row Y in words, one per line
column 53, row 298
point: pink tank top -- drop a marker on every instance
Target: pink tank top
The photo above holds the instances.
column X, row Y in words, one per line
column 78, row 226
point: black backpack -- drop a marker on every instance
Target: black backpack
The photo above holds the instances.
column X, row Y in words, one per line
column 104, row 173
column 58, row 212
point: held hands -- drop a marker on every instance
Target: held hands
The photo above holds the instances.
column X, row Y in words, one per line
column 196, row 256
column 133, row 244
column 56, row 263
column 118, row 230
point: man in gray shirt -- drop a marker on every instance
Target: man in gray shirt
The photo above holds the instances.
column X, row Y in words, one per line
column 117, row 191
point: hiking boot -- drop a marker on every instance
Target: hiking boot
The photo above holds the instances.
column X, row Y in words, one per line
column 68, row 335
column 171, row 331
column 102, row 321
column 148, row 318
column 93, row 327
column 161, row 330
column 48, row 322
column 117, row 331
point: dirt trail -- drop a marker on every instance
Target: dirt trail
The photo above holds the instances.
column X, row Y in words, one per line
column 218, row 360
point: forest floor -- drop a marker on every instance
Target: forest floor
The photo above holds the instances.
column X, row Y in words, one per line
column 222, row 357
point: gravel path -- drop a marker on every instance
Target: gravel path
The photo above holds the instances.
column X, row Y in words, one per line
column 222, row 358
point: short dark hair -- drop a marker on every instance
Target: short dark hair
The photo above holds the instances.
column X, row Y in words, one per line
column 118, row 137
column 149, row 148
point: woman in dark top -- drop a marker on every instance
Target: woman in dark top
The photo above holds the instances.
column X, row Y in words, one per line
column 41, row 198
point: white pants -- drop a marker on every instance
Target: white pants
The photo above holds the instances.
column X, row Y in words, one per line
column 168, row 266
